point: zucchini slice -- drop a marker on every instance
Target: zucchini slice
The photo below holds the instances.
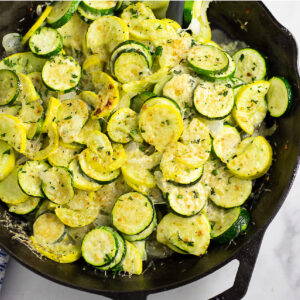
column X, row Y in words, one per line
column 7, row 159
column 82, row 210
column 58, row 252
column 51, row 113
column 10, row 110
column 250, row 65
column 32, row 116
column 214, row 100
column 89, row 16
column 136, row 170
column 154, row 30
column 207, row 60
column 130, row 65
column 132, row 213
column 189, row 235
column 132, row 262
column 29, row 177
column 9, row 87
column 45, row 42
column 137, row 101
column 251, row 107
column 62, row 12
column 27, row 92
column 44, row 93
column 225, row 143
column 130, row 45
column 160, row 100
column 37, row 24
column 71, row 116
column 49, row 145
column 100, row 246
column 90, row 126
column 46, row 206
column 176, row 171
column 253, row 160
column 61, row 73
column 227, row 190
column 87, row 166
column 57, row 185
column 48, row 229
column 158, row 88
column 13, row 132
column 185, row 201
column 108, row 161
column 10, row 191
column 146, row 83
column 121, row 252
column 173, row 51
column 279, row 96
column 101, row 8
column 144, row 234
column 104, row 34
column 134, row 14
column 140, row 246
column 123, row 126
column 25, row 63
column 26, row 207
column 181, row 89
column 160, row 125
column 62, row 156
column 228, row 73
column 73, row 33
column 81, row 181
column 99, row 143
column 227, row 224
column 197, row 141
column 108, row 94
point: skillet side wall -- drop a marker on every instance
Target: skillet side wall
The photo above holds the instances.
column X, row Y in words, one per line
column 264, row 34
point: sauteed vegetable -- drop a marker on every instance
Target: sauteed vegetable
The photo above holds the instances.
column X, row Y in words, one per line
column 121, row 132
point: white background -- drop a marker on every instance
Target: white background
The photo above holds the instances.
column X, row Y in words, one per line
column 277, row 272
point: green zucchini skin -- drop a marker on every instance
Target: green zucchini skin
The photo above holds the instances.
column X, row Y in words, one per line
column 9, row 87
column 27, row 207
column 37, row 45
column 137, row 101
column 250, row 65
column 237, row 228
column 57, row 21
column 188, row 12
column 127, row 51
column 202, row 53
column 279, row 84
column 97, row 11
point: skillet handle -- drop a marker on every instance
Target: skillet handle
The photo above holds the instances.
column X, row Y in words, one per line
column 247, row 258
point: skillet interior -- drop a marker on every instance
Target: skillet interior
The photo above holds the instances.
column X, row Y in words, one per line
column 266, row 35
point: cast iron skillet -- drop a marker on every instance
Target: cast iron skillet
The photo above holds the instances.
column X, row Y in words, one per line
column 264, row 33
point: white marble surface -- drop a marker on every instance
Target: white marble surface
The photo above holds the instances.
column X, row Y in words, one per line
column 277, row 271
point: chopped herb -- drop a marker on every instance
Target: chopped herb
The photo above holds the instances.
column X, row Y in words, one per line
column 134, row 131
column 179, row 196
column 215, row 172
column 242, row 57
column 68, row 118
column 188, row 243
column 196, row 194
column 176, row 72
column 6, row 152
